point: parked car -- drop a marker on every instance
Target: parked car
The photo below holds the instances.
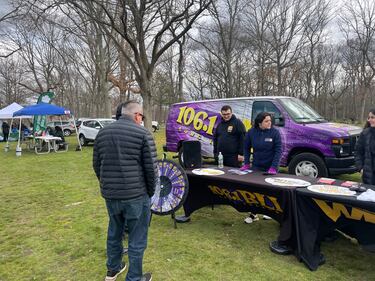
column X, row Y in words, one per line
column 155, row 125
column 67, row 126
column 79, row 122
column 89, row 128
column 311, row 146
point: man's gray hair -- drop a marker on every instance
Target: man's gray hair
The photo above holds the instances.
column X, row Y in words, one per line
column 131, row 107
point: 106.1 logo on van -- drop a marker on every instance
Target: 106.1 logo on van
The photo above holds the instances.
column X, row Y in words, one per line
column 188, row 115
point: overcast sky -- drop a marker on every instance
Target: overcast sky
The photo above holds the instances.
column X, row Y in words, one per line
column 4, row 7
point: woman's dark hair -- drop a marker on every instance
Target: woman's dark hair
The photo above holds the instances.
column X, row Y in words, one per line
column 260, row 117
column 58, row 129
column 367, row 124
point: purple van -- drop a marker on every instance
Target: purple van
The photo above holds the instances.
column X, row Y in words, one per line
column 312, row 146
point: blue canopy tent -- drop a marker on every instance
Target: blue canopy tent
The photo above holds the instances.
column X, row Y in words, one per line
column 42, row 109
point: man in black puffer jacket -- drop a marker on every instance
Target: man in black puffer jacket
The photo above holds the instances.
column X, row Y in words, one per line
column 124, row 162
column 229, row 138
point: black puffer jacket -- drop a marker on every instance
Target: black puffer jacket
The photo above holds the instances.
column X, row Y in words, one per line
column 229, row 137
column 363, row 156
column 124, row 160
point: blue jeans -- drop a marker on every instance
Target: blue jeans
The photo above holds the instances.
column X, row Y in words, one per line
column 136, row 213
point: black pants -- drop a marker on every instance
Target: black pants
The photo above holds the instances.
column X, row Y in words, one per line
column 5, row 137
column 231, row 160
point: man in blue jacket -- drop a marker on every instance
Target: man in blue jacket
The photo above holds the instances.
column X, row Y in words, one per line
column 124, row 162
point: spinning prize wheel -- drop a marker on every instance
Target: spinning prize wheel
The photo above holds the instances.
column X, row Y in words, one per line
column 171, row 188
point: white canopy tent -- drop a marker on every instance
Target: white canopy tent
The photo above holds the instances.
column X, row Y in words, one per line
column 7, row 112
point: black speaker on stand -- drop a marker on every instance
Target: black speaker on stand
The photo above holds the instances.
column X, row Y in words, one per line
column 192, row 156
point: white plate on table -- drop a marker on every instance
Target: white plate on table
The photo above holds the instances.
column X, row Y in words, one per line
column 331, row 189
column 287, row 182
column 208, row 172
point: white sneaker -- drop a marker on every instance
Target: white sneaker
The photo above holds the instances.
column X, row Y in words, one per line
column 266, row 217
column 248, row 220
column 251, row 218
column 254, row 217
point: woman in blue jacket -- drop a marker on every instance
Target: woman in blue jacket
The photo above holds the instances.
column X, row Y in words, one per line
column 266, row 144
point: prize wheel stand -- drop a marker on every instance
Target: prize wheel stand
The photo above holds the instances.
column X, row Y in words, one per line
column 171, row 189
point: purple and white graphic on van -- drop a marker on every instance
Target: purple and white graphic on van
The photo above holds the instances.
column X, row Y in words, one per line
column 311, row 145
column 197, row 121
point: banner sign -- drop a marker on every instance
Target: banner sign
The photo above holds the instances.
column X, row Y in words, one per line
column 40, row 121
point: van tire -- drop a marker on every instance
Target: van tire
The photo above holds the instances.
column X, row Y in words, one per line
column 307, row 164
column 154, row 128
column 180, row 157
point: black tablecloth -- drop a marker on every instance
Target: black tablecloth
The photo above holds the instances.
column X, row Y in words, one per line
column 246, row 193
column 319, row 214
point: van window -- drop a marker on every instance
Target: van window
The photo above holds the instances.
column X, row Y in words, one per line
column 266, row 106
column 301, row 112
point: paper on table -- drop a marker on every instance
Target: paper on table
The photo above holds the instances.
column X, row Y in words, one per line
column 368, row 195
column 326, row 180
column 239, row 172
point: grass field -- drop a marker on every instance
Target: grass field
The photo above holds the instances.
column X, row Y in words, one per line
column 53, row 225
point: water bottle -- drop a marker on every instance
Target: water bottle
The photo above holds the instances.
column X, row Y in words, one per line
column 220, row 160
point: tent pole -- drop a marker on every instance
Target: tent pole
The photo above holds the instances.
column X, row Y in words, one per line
column 79, row 143
column 19, row 132
column 10, row 130
column 18, row 148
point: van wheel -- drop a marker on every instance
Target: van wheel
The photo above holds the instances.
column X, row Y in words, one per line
column 154, row 129
column 67, row 133
column 308, row 164
column 181, row 157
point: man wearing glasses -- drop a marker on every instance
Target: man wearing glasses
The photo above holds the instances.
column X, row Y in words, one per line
column 124, row 162
column 229, row 138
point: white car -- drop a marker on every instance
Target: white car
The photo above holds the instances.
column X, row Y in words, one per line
column 89, row 128
column 155, row 125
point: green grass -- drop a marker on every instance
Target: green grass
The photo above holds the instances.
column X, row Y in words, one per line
column 53, row 225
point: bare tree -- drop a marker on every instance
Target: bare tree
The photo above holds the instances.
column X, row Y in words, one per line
column 219, row 40
column 318, row 16
column 358, row 25
column 145, row 25
column 286, row 38
column 12, row 73
column 256, row 26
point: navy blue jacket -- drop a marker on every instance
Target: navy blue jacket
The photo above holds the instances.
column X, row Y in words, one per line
column 266, row 146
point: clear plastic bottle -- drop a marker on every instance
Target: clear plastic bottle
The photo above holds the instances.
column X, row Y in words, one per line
column 220, row 160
